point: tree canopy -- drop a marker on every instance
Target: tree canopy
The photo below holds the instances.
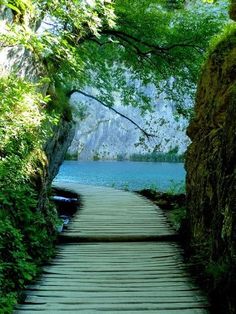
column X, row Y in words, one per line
column 97, row 42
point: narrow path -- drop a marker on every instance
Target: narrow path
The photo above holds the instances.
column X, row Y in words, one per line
column 120, row 258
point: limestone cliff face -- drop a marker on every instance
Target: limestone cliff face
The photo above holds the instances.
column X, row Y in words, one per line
column 55, row 149
column 107, row 135
column 211, row 162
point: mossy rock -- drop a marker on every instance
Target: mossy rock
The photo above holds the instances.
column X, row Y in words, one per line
column 232, row 10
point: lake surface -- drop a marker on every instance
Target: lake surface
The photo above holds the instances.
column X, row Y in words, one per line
column 124, row 174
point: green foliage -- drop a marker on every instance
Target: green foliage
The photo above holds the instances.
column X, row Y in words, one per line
column 151, row 53
column 157, row 157
column 218, row 270
column 24, row 127
column 70, row 156
column 176, row 187
column 21, row 117
column 26, row 235
column 96, row 156
column 15, row 261
column 7, row 302
column 177, row 216
column 226, row 38
column 25, row 243
column 120, row 157
column 95, row 43
column 20, row 8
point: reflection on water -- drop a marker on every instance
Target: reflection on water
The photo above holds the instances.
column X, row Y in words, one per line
column 124, row 174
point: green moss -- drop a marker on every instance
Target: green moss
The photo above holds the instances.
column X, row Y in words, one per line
column 59, row 102
column 232, row 10
column 217, row 270
column 226, row 231
column 177, row 216
column 224, row 41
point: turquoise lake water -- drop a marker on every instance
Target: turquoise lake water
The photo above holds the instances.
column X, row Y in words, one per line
column 124, row 174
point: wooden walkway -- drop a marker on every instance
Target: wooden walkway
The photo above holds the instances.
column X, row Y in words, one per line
column 120, row 258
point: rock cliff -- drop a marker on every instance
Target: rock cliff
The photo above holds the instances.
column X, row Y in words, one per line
column 106, row 135
column 211, row 168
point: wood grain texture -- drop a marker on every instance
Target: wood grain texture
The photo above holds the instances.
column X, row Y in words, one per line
column 111, row 263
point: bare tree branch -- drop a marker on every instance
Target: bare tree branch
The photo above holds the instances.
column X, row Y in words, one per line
column 148, row 135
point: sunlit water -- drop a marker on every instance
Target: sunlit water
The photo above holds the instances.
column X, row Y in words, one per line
column 124, row 174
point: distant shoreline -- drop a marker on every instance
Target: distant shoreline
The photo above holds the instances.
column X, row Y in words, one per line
column 152, row 157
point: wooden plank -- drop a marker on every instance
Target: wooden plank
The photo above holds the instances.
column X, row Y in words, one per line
column 112, row 307
column 136, row 311
column 122, row 269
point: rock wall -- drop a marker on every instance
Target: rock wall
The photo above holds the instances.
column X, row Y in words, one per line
column 103, row 133
column 55, row 149
column 211, row 168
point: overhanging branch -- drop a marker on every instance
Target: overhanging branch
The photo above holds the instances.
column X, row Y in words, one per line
column 148, row 135
column 149, row 48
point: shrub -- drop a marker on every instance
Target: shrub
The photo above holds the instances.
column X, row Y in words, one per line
column 26, row 234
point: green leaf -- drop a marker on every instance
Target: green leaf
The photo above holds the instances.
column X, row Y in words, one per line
column 13, row 7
